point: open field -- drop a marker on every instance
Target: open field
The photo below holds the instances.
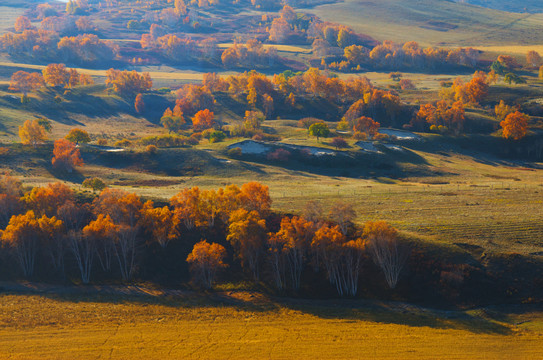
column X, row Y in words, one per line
column 244, row 325
column 434, row 22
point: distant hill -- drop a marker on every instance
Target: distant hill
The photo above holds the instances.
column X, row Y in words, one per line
column 530, row 6
column 437, row 22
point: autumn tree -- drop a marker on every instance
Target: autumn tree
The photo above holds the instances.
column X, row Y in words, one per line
column 247, row 233
column 501, row 110
column 46, row 124
column 48, row 199
column 205, row 261
column 128, row 83
column 367, row 125
column 32, row 133
column 25, row 82
column 288, row 248
column 22, row 23
column 386, row 250
column 139, row 105
column 11, row 191
column 340, row 257
column 25, row 235
column 254, row 196
column 56, row 75
column 533, row 59
column 78, row 136
column 343, row 214
column 319, row 130
column 203, row 119
column 253, row 120
column 66, row 156
column 173, row 120
column 160, row 222
column 515, row 125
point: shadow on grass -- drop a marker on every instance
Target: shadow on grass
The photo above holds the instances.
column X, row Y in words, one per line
column 481, row 322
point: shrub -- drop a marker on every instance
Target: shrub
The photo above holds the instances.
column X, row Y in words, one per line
column 123, row 143
column 102, row 142
column 4, row 151
column 279, row 155
column 215, row 136
column 359, row 135
column 151, row 149
column 380, row 136
column 234, row 152
column 343, row 125
column 166, row 140
column 339, row 143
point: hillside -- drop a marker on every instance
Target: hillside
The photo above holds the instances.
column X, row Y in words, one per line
column 530, row 6
column 435, row 22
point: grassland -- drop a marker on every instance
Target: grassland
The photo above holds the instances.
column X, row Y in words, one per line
column 434, row 22
column 241, row 325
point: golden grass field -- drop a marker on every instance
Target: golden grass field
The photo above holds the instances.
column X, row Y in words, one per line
column 247, row 326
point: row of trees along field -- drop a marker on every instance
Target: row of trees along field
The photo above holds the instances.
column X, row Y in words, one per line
column 71, row 37
column 116, row 232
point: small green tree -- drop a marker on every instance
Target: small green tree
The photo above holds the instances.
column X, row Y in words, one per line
column 78, row 136
column 319, row 130
column 46, row 124
column 96, row 184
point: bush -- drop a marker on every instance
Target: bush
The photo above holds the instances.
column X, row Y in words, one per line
column 234, row 152
column 380, row 136
column 151, row 149
column 4, row 151
column 214, row 136
column 279, row 155
column 123, row 143
column 166, row 140
column 339, row 143
column 102, row 142
column 343, row 125
column 359, row 135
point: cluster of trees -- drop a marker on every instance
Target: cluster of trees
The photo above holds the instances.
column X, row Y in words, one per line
column 46, row 44
column 47, row 226
column 390, row 55
column 128, row 83
column 52, row 75
column 251, row 55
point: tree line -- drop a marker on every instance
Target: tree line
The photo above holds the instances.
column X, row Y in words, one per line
column 115, row 232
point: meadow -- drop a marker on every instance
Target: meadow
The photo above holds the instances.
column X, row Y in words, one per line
column 244, row 325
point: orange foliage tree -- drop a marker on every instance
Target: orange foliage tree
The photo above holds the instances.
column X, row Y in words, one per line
column 515, row 126
column 56, row 75
column 247, row 233
column 160, row 222
column 25, row 82
column 46, row 200
column 205, row 260
column 139, row 105
column 128, row 83
column 366, row 125
column 66, row 156
column 10, row 193
column 22, row 23
column 203, row 119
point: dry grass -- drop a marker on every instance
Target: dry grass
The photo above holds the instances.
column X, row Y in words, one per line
column 68, row 327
